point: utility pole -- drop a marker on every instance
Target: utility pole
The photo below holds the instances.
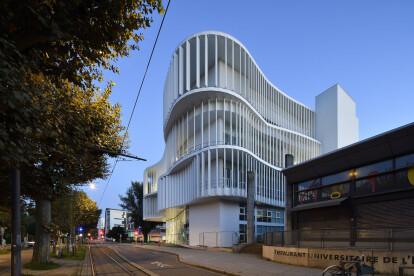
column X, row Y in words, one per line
column 16, row 258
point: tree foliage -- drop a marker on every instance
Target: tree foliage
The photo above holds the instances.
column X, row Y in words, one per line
column 116, row 233
column 75, row 209
column 58, row 40
column 133, row 201
column 51, row 112
column 73, row 121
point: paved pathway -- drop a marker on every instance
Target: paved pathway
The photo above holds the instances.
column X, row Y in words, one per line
column 5, row 261
column 68, row 267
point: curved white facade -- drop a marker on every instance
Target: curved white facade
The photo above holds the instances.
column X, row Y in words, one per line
column 222, row 118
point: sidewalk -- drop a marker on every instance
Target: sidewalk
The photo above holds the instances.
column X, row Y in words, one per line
column 67, row 267
column 232, row 263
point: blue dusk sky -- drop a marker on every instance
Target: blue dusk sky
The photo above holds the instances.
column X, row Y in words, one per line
column 302, row 47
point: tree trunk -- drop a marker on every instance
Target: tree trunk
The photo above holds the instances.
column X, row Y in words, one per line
column 41, row 251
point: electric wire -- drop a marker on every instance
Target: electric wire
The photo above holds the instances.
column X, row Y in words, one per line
column 136, row 99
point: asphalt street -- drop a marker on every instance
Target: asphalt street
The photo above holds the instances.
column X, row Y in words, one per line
column 159, row 263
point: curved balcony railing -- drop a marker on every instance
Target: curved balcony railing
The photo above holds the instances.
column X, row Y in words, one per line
column 248, row 99
column 198, row 147
column 224, row 183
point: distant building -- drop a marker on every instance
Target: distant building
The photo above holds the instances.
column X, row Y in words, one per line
column 116, row 217
column 223, row 118
column 101, row 225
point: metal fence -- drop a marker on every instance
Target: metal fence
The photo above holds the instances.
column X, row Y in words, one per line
column 348, row 238
column 218, row 239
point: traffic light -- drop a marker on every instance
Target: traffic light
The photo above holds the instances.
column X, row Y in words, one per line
column 136, row 233
column 101, row 233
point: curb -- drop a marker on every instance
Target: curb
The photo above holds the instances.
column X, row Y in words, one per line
column 194, row 265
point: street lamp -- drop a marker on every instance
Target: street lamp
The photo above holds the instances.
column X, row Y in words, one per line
column 92, row 185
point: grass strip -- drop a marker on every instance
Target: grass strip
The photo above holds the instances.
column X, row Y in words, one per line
column 41, row 266
column 79, row 254
column 7, row 251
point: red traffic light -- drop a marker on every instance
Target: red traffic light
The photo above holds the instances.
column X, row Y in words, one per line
column 136, row 233
column 101, row 233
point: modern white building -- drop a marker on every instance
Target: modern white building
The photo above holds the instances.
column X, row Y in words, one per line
column 115, row 217
column 223, row 118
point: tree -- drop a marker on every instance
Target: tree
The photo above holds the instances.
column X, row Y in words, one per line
column 75, row 121
column 52, row 114
column 72, row 122
column 74, row 210
column 133, row 201
column 61, row 40
column 116, row 233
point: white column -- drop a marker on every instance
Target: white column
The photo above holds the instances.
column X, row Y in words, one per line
column 216, row 122
column 231, row 122
column 202, row 125
column 176, row 80
column 232, row 64
column 224, row 120
column 225, row 63
column 209, row 123
column 181, row 71
column 203, row 191
column 187, row 67
column 194, row 133
column 198, row 62
column 209, row 171
column 216, row 60
column 217, row 171
column 206, row 60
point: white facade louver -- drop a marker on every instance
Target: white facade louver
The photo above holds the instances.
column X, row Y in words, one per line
column 223, row 118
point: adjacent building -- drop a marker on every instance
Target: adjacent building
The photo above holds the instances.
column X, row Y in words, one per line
column 360, row 196
column 223, row 118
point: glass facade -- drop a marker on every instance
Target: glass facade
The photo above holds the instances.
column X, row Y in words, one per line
column 393, row 174
column 267, row 219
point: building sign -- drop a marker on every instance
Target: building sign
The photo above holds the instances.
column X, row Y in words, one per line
column 386, row 262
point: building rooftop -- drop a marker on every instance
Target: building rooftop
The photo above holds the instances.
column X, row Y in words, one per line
column 395, row 142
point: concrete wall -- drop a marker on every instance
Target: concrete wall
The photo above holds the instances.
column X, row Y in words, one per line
column 336, row 122
column 326, row 119
column 218, row 220
column 348, row 123
column 384, row 262
column 204, row 218
column 229, row 222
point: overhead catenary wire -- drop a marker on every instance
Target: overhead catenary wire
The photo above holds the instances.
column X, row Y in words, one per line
column 136, row 99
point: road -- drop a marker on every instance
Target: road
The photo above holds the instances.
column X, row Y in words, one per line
column 145, row 261
column 107, row 262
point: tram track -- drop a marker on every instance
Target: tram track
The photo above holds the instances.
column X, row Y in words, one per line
column 99, row 257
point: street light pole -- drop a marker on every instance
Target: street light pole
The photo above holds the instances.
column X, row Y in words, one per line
column 16, row 260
